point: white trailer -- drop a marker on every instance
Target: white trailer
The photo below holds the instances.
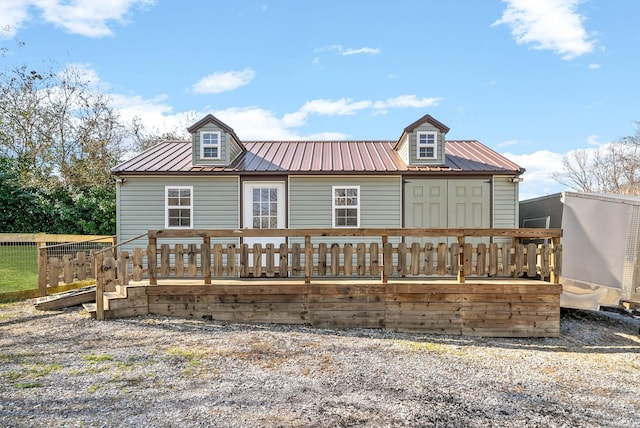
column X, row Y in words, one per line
column 600, row 242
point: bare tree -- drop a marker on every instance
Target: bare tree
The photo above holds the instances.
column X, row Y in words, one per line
column 611, row 168
column 144, row 137
column 60, row 128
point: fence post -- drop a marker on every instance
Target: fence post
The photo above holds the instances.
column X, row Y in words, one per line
column 461, row 260
column 383, row 273
column 99, row 287
column 308, row 259
column 42, row 269
column 152, row 260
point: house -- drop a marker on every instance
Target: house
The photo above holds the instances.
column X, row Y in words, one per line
column 601, row 238
column 216, row 180
column 348, row 211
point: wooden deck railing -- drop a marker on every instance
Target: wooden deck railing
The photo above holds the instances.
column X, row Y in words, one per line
column 344, row 253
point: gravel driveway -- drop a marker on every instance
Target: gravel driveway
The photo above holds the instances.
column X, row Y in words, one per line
column 62, row 369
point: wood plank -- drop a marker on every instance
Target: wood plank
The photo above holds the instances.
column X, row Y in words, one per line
column 361, row 260
column 427, row 297
column 374, row 261
column 364, row 298
column 348, row 259
column 165, row 266
column 531, row 260
column 421, row 315
column 123, row 302
column 428, row 258
column 424, row 288
column 508, row 306
column 322, row 259
column 423, row 306
column 394, row 231
column 283, row 269
column 347, row 289
column 517, row 298
column 335, row 259
column 178, row 251
column 426, row 324
column 481, row 260
column 67, row 299
column 441, row 268
column 515, row 315
column 347, row 306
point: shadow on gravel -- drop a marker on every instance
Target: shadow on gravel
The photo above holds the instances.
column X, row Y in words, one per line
column 580, row 332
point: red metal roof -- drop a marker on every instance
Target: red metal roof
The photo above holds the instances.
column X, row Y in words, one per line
column 326, row 157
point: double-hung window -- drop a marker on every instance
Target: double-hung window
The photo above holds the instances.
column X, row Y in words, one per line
column 426, row 145
column 178, row 207
column 346, row 206
column 210, row 145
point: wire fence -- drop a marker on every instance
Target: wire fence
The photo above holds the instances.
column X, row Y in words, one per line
column 19, row 255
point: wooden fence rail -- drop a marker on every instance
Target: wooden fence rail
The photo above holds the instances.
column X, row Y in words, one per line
column 60, row 262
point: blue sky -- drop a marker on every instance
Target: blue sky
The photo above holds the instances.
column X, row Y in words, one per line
column 532, row 79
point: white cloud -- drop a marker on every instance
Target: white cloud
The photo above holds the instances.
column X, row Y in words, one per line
column 594, row 66
column 537, row 179
column 592, row 140
column 365, row 50
column 404, row 101
column 13, row 13
column 341, row 107
column 85, row 17
column 350, row 51
column 223, row 81
column 548, row 24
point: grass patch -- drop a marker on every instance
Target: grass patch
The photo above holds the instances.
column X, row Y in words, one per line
column 27, row 385
column 18, row 267
column 29, row 374
column 94, row 359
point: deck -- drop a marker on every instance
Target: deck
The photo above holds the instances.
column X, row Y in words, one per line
column 452, row 281
column 492, row 307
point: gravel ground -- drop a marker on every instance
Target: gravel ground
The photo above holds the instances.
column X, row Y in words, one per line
column 61, row 368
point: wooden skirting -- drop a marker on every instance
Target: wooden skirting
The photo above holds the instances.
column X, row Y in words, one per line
column 508, row 308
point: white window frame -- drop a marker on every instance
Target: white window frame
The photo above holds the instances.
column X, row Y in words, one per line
column 420, row 145
column 167, row 207
column 335, row 206
column 217, row 146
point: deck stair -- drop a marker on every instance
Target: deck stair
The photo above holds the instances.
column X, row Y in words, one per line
column 125, row 301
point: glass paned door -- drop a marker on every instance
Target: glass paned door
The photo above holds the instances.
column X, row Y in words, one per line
column 264, row 207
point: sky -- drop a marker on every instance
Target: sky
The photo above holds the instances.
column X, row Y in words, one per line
column 531, row 79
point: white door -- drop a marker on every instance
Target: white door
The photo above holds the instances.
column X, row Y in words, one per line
column 264, row 208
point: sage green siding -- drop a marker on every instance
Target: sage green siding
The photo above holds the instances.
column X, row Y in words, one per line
column 426, row 127
column 141, row 204
column 505, row 203
column 310, row 200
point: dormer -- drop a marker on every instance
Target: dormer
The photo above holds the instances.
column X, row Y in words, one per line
column 422, row 142
column 214, row 143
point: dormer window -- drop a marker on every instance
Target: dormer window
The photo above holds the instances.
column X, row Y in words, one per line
column 210, row 145
column 427, row 145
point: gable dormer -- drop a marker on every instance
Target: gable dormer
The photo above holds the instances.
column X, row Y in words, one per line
column 422, row 142
column 214, row 143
